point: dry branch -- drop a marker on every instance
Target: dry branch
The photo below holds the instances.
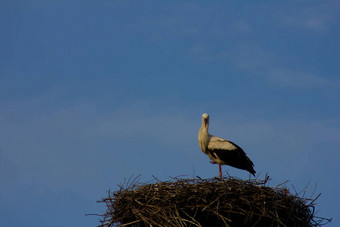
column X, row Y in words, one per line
column 210, row 202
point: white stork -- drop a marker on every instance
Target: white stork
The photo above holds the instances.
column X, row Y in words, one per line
column 221, row 151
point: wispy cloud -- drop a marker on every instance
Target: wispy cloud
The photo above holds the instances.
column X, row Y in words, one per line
column 169, row 127
column 59, row 146
column 316, row 18
column 198, row 22
column 295, row 78
column 276, row 144
column 224, row 38
column 257, row 61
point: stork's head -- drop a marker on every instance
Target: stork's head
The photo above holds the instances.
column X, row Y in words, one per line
column 205, row 119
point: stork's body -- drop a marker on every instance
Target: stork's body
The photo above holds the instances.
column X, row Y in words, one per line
column 221, row 151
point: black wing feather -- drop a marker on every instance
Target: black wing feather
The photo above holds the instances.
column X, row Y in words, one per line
column 236, row 158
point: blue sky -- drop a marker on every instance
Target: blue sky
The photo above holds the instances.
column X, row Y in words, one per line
column 94, row 92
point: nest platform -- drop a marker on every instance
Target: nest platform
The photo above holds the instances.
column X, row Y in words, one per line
column 207, row 202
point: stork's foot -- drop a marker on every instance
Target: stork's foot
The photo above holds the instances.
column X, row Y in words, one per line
column 213, row 162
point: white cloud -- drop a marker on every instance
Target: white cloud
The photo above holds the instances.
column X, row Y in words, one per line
column 255, row 60
column 169, row 127
column 316, row 18
column 298, row 78
column 71, row 145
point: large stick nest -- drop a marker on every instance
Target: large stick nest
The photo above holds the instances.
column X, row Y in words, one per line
column 210, row 202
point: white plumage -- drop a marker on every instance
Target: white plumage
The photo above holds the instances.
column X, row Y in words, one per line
column 222, row 151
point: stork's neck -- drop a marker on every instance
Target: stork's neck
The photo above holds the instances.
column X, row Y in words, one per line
column 203, row 133
column 203, row 138
column 204, row 128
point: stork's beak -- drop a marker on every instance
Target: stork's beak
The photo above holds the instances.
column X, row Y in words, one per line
column 205, row 122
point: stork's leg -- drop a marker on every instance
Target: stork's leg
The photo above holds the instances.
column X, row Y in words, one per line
column 220, row 175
